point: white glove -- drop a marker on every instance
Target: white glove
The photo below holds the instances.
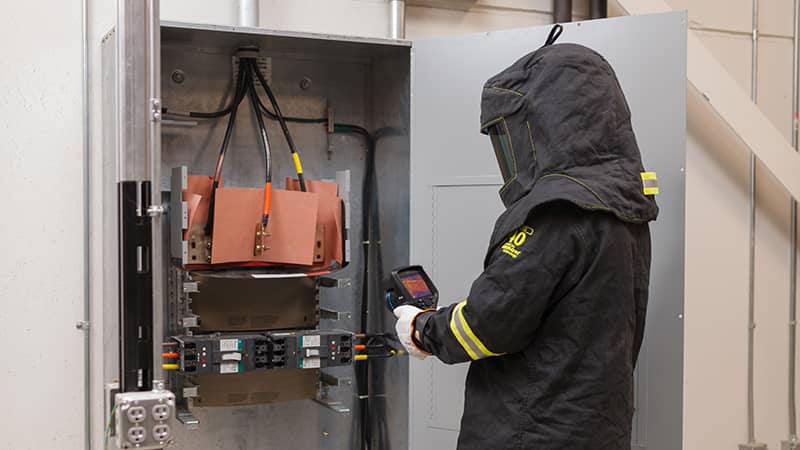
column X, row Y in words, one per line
column 406, row 314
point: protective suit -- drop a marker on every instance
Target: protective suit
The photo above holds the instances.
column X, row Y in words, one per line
column 554, row 324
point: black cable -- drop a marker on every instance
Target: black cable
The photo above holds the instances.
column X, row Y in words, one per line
column 262, row 132
column 240, row 91
column 284, row 127
column 272, row 116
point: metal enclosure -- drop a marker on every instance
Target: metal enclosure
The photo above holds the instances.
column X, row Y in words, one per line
column 452, row 165
column 426, row 178
column 364, row 82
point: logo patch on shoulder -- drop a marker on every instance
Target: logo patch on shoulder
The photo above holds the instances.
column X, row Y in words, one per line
column 516, row 240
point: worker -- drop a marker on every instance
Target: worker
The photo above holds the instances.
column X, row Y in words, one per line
column 554, row 324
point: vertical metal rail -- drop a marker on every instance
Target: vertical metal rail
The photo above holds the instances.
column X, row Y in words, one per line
column 139, row 155
column 751, row 433
column 87, row 299
column 156, row 210
column 793, row 443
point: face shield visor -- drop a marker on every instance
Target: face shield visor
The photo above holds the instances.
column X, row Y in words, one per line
column 503, row 150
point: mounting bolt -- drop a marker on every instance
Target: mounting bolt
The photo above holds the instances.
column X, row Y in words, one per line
column 305, row 83
column 178, row 76
column 82, row 325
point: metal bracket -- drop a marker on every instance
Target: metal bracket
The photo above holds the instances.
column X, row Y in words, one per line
column 187, row 418
column 334, row 381
column 337, row 407
column 156, row 210
column 338, row 283
column 331, row 314
column 190, row 287
column 753, row 446
column 330, row 132
column 190, row 322
column 260, row 246
column 155, row 109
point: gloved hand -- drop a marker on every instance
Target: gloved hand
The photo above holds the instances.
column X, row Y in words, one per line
column 406, row 315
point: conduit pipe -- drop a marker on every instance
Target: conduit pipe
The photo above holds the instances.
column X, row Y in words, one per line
column 248, row 13
column 751, row 324
column 598, row 9
column 397, row 19
column 793, row 443
column 562, row 11
column 84, row 324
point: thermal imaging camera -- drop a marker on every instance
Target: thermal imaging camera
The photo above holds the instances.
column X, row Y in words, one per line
column 410, row 285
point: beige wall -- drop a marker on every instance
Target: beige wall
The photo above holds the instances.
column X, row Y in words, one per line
column 717, row 239
column 716, row 290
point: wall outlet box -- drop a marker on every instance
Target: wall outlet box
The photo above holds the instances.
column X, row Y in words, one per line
column 144, row 420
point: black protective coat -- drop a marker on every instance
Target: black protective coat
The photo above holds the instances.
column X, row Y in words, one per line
column 555, row 322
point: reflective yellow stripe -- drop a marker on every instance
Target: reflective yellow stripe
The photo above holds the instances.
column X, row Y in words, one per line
column 472, row 336
column 650, row 183
column 457, row 333
column 297, row 166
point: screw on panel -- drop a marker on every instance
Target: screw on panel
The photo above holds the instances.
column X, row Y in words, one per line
column 178, row 76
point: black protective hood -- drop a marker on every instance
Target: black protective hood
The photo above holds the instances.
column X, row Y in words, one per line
column 570, row 129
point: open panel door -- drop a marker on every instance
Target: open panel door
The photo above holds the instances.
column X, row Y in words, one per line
column 454, row 199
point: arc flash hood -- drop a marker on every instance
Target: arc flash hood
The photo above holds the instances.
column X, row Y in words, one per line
column 561, row 129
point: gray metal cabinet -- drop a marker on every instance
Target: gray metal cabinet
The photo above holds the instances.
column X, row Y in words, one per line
column 454, row 201
column 438, row 190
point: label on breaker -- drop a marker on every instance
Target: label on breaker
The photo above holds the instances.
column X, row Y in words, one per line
column 235, row 356
column 228, row 345
column 229, row 367
column 311, row 341
column 310, row 363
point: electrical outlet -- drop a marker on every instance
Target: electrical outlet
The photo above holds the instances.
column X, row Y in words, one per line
column 136, row 435
column 161, row 412
column 161, row 432
column 135, row 414
column 144, row 420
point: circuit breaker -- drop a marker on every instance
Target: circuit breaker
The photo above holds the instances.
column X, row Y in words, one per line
column 238, row 353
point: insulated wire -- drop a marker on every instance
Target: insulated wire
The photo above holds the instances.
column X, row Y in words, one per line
column 240, row 91
column 108, row 427
column 264, row 144
column 284, row 127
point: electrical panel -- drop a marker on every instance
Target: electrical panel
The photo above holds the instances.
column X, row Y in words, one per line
column 265, row 292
